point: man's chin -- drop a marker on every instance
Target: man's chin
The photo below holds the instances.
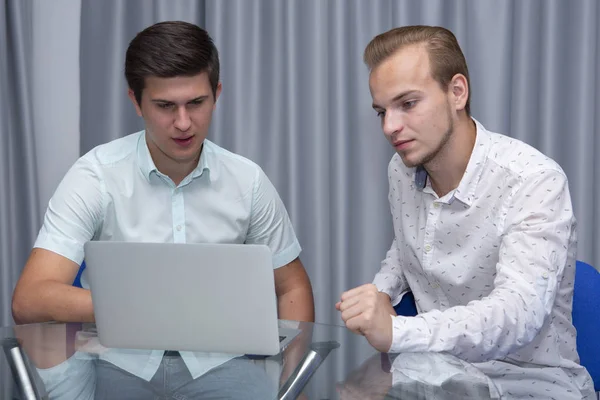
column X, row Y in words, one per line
column 184, row 157
column 408, row 161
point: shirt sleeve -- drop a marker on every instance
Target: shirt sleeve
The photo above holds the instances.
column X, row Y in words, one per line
column 532, row 256
column 270, row 223
column 390, row 278
column 74, row 212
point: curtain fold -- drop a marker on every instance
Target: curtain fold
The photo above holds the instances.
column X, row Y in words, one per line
column 19, row 216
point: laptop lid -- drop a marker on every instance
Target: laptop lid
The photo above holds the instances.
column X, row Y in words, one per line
column 194, row 297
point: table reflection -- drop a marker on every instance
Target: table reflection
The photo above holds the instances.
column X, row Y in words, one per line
column 66, row 361
column 443, row 376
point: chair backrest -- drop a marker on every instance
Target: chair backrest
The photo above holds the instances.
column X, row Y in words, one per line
column 77, row 280
column 407, row 306
column 586, row 318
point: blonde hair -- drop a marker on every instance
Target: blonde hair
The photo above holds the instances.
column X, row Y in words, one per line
column 445, row 56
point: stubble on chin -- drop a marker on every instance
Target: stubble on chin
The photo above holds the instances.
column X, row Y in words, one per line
column 429, row 157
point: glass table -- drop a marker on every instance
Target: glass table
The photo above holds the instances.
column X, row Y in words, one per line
column 66, row 361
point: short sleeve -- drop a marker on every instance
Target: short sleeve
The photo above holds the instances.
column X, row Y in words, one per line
column 74, row 212
column 270, row 224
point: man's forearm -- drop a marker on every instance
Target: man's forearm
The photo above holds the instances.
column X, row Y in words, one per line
column 297, row 305
column 52, row 301
column 387, row 303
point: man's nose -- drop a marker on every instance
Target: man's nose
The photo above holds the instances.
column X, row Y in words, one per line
column 182, row 119
column 392, row 123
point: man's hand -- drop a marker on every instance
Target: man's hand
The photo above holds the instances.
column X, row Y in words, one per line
column 368, row 312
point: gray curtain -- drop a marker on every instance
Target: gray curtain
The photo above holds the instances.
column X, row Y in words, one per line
column 296, row 100
column 19, row 217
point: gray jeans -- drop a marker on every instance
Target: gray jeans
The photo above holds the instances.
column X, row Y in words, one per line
column 236, row 379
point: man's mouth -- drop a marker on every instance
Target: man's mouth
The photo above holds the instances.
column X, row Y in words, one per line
column 402, row 144
column 185, row 141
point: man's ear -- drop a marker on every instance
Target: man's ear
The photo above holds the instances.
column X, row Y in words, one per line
column 459, row 89
column 217, row 94
column 138, row 108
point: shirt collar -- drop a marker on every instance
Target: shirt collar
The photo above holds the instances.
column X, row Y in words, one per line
column 465, row 192
column 147, row 166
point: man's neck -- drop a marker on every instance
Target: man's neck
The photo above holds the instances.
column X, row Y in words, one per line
column 448, row 167
column 174, row 169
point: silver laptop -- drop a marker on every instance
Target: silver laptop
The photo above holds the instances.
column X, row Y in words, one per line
column 194, row 297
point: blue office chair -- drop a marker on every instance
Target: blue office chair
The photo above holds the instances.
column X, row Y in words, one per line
column 586, row 317
column 407, row 306
column 77, row 280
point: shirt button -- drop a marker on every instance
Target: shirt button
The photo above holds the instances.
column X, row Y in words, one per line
column 435, row 285
column 436, row 205
column 178, row 227
column 428, row 248
column 545, row 275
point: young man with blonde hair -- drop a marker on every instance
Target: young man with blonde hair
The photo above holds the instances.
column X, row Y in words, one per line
column 484, row 232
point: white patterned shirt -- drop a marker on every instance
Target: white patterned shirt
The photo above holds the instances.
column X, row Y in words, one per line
column 491, row 264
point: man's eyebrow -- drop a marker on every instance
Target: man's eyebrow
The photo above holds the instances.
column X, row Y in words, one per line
column 398, row 97
column 199, row 98
column 162, row 101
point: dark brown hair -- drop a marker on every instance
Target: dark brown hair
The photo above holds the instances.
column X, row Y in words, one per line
column 169, row 49
column 445, row 56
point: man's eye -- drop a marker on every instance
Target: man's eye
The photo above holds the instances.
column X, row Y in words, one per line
column 409, row 104
column 165, row 106
column 381, row 114
column 195, row 103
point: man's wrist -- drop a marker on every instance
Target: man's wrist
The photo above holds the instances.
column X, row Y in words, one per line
column 384, row 295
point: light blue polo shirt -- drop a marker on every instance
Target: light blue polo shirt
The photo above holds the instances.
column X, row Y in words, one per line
column 115, row 192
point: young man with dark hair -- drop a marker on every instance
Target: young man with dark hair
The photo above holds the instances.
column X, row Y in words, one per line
column 484, row 229
column 167, row 183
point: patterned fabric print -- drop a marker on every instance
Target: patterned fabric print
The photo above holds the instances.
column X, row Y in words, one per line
column 491, row 264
